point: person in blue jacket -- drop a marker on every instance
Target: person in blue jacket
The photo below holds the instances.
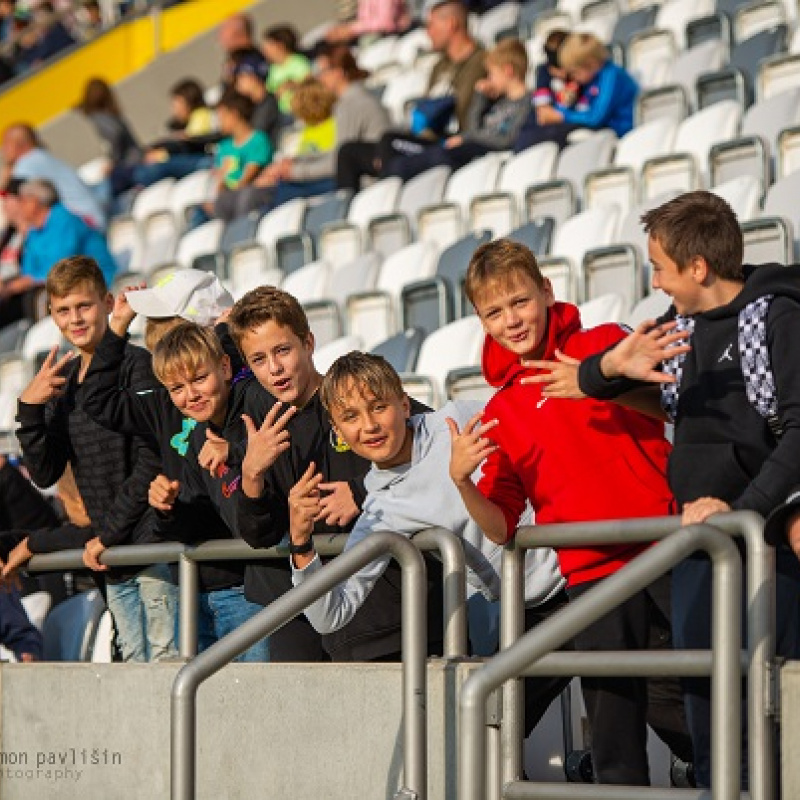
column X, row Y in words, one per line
column 17, row 632
column 54, row 233
column 607, row 96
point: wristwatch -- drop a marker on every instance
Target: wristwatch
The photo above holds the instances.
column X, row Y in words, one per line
column 301, row 549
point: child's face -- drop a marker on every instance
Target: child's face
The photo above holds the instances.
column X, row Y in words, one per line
column 281, row 361
column 203, row 394
column 681, row 285
column 375, row 428
column 514, row 313
column 499, row 76
column 273, row 51
column 179, row 108
column 82, row 316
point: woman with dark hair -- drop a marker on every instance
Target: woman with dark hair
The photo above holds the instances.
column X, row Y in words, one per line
column 101, row 107
column 359, row 117
column 287, row 67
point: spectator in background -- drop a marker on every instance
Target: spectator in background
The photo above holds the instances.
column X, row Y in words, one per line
column 606, row 100
column 453, row 76
column 89, row 20
column 49, row 36
column 7, row 9
column 17, row 633
column 360, row 120
column 25, row 158
column 287, row 67
column 374, row 18
column 54, row 233
column 235, row 36
column 553, row 85
column 240, row 156
column 248, row 80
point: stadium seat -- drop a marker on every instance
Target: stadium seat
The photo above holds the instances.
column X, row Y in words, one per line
column 633, row 22
column 768, row 239
column 401, row 90
column 190, row 191
column 753, row 18
column 324, row 210
column 15, row 372
column 691, row 64
column 716, row 27
column 776, row 74
column 743, row 194
column 377, row 54
column 70, row 628
column 238, row 231
column 410, row 45
column 603, row 309
column 293, row 252
column 684, row 169
column 431, row 303
column 94, row 172
column 158, row 241
column 444, row 223
column 402, row 349
column 781, row 201
column 536, row 235
column 309, row 283
column 616, row 269
column 648, row 56
column 155, row 197
column 41, row 336
column 325, row 356
column 13, row 335
column 788, row 152
column 284, row 220
column 502, row 210
column 468, row 383
column 650, row 307
column 389, row 233
column 37, row 605
column 375, row 316
column 103, row 645
column 674, row 15
column 490, row 23
column 530, row 11
column 123, row 241
column 249, row 266
column 199, row 241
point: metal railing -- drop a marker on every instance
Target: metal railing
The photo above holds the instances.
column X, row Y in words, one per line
column 284, row 609
column 519, row 654
column 438, row 540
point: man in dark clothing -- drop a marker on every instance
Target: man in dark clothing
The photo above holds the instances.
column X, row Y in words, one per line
column 22, row 506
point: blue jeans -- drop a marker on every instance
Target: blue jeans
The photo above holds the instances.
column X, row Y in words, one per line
column 223, row 611
column 291, row 190
column 144, row 609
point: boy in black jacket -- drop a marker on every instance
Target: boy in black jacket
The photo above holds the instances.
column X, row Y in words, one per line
column 733, row 393
column 195, row 502
column 112, row 471
column 272, row 332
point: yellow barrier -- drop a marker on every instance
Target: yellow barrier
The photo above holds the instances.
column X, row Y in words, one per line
column 113, row 56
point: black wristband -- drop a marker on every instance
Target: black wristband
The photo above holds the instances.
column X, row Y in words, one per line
column 301, row 549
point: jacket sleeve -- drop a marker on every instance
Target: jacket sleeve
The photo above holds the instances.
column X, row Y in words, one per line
column 505, row 138
column 781, row 471
column 64, row 537
column 500, row 484
column 17, row 632
column 263, row 521
column 131, row 503
column 127, row 410
column 598, row 112
column 44, row 439
column 339, row 606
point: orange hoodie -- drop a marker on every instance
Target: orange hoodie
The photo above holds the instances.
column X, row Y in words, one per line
column 575, row 460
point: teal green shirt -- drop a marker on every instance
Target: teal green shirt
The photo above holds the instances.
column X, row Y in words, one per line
column 232, row 158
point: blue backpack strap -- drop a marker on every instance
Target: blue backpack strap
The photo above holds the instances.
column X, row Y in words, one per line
column 759, row 380
column 674, row 366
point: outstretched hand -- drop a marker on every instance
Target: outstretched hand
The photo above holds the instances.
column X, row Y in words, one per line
column 264, row 445
column 560, row 377
column 639, row 355
column 122, row 315
column 469, row 447
column 304, row 505
column 163, row 493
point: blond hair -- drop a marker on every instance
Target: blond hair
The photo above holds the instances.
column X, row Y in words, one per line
column 498, row 263
column 69, row 273
column 184, row 350
column 510, row 52
column 267, row 304
column 312, row 103
column 156, row 328
column 582, row 51
column 364, row 371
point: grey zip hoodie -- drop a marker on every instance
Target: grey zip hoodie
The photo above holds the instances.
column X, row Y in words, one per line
column 419, row 495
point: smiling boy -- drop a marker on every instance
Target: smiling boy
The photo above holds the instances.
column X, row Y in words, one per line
column 573, row 461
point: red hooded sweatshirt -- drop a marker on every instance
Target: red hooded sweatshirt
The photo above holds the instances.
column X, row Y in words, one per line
column 575, row 460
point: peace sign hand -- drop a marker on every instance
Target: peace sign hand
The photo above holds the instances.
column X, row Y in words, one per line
column 469, row 447
column 264, row 445
column 47, row 383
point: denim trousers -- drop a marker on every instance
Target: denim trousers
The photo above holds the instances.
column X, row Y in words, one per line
column 144, row 609
column 221, row 612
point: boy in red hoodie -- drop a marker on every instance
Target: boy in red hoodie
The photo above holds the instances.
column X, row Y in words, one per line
column 574, row 461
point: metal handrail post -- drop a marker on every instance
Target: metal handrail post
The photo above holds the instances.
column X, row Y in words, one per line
column 284, row 609
column 512, row 626
column 454, row 603
column 608, row 594
column 760, row 648
column 188, row 606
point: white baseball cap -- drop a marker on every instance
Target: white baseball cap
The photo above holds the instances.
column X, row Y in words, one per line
column 191, row 294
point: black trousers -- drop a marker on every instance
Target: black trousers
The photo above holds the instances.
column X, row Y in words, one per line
column 620, row 708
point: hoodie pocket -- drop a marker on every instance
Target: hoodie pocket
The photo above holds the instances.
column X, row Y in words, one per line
column 707, row 470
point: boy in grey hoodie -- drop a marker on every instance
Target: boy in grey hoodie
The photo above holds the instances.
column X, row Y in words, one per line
column 408, row 490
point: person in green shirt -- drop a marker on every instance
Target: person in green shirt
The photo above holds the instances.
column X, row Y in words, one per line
column 240, row 156
column 288, row 68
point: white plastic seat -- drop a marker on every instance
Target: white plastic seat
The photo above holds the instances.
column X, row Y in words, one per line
column 502, row 211
column 685, row 169
column 327, row 354
column 781, row 201
column 249, row 267
column 756, row 17
column 650, row 307
column 400, row 90
column 41, row 336
column 284, row 220
column 124, row 241
column 458, row 344
column 410, row 45
column 375, row 316
column 94, row 172
column 497, row 19
column 378, row 54
column 309, row 283
column 445, row 223
column 777, row 74
column 102, row 646
column 36, row 605
column 199, row 242
column 189, row 191
column 689, row 65
column 650, row 54
column 675, row 14
column 15, row 372
column 158, row 242
column 616, row 269
column 153, row 198
column 606, row 308
column 743, row 194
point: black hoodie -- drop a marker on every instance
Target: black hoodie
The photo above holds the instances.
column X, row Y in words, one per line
column 723, row 447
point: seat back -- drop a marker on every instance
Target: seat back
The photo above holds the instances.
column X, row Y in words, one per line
column 159, row 240
column 199, row 241
column 284, row 220
column 422, row 190
column 238, row 231
column 153, row 198
column 402, row 349
column 42, row 335
column 374, row 201
column 189, row 191
column 578, row 160
column 327, row 354
column 323, row 210
column 536, row 235
column 743, row 195
column 70, row 628
column 650, row 307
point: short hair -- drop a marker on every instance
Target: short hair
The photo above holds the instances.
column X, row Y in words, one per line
column 282, row 34
column 312, row 103
column 237, row 103
column 371, row 372
column 510, row 52
column 455, row 9
column 98, row 96
column 267, row 304
column 191, row 91
column 157, row 327
column 185, row 349
column 497, row 262
column 69, row 273
column 41, row 190
column 582, row 50
column 340, row 56
column 698, row 224
column 552, row 46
